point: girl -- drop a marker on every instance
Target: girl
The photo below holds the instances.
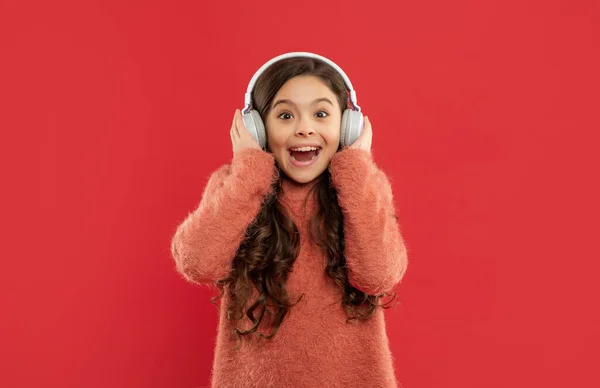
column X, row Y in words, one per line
column 302, row 240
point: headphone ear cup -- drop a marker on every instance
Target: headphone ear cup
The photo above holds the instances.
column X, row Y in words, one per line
column 352, row 126
column 255, row 127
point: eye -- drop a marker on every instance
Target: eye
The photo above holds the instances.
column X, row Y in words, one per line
column 285, row 116
column 321, row 114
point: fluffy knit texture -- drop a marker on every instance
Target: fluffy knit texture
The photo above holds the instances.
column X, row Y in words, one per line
column 314, row 346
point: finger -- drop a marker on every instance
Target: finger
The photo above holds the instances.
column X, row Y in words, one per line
column 242, row 131
column 368, row 130
column 364, row 133
column 358, row 140
column 368, row 127
column 233, row 130
column 233, row 133
column 236, row 123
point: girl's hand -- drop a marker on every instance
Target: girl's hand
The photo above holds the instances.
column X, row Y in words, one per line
column 240, row 137
column 366, row 137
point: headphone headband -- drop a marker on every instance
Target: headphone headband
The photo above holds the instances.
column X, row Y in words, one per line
column 248, row 96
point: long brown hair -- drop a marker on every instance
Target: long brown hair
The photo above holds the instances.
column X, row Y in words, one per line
column 271, row 244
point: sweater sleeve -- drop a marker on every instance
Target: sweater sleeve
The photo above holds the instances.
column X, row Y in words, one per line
column 376, row 256
column 205, row 243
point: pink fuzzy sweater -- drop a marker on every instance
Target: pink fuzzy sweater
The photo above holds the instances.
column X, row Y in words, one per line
column 314, row 346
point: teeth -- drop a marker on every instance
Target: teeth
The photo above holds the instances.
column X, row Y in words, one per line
column 313, row 157
column 305, row 149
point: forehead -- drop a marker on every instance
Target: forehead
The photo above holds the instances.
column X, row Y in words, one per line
column 304, row 89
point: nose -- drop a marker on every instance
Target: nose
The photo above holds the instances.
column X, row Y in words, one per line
column 304, row 130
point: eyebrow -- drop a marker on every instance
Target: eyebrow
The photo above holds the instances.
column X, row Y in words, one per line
column 322, row 99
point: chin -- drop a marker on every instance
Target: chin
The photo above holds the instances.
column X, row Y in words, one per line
column 302, row 180
column 304, row 177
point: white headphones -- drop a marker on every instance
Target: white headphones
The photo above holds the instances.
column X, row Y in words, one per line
column 352, row 119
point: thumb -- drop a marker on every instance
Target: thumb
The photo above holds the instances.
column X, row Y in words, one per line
column 240, row 122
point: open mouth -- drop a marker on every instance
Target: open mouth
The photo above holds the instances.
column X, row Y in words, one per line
column 304, row 154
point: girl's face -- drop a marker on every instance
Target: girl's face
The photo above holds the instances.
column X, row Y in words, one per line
column 303, row 127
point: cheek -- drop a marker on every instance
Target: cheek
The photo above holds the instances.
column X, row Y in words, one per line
column 333, row 135
column 276, row 141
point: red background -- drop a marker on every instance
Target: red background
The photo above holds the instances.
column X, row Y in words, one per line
column 485, row 117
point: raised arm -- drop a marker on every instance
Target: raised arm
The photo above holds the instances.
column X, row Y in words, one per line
column 205, row 242
column 374, row 248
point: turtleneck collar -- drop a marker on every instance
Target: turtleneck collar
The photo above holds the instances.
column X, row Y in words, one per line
column 294, row 190
column 299, row 196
